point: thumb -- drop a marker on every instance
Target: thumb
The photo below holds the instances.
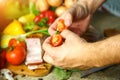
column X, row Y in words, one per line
column 48, row 59
column 67, row 34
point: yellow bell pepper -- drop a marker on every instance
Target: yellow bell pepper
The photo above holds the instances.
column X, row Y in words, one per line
column 5, row 40
column 15, row 28
column 27, row 18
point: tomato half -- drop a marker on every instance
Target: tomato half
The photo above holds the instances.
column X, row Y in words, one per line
column 56, row 40
column 16, row 55
column 61, row 25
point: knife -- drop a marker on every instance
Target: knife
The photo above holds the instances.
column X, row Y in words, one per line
column 93, row 70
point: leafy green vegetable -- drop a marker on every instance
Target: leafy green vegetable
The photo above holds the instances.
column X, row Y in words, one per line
column 62, row 74
column 45, row 31
column 23, row 36
column 43, row 22
column 29, row 26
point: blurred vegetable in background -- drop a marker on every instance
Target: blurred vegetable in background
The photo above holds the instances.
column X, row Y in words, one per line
column 11, row 9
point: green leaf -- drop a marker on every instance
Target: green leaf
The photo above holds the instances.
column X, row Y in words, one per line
column 45, row 31
column 44, row 20
column 62, row 74
column 29, row 26
column 53, row 8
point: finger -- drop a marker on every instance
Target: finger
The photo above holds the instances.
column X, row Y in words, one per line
column 47, row 47
column 67, row 34
column 47, row 44
column 48, row 59
column 53, row 27
column 68, row 19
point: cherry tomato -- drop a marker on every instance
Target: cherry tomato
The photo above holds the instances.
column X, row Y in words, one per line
column 2, row 59
column 51, row 16
column 61, row 25
column 14, row 42
column 46, row 14
column 37, row 19
column 42, row 14
column 56, row 40
column 15, row 55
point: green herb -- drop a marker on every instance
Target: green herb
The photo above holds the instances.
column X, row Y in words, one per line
column 43, row 22
column 62, row 74
column 45, row 31
column 23, row 36
column 29, row 26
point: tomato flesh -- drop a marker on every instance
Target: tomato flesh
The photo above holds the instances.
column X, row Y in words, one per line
column 61, row 26
column 56, row 40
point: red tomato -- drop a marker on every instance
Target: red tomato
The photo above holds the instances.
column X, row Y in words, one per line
column 16, row 55
column 61, row 25
column 42, row 14
column 56, row 40
column 51, row 16
column 2, row 59
column 46, row 14
column 14, row 42
column 37, row 19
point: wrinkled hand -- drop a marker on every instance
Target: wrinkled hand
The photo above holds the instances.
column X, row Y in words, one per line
column 77, row 26
column 71, row 54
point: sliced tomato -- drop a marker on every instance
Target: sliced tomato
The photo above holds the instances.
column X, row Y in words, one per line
column 56, row 40
column 61, row 25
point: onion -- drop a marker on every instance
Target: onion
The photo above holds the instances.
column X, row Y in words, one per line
column 55, row 3
column 60, row 10
column 42, row 5
column 69, row 3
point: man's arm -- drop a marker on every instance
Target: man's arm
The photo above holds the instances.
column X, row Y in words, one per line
column 82, row 8
column 106, row 52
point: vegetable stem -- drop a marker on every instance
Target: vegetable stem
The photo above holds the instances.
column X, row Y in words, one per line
column 45, row 31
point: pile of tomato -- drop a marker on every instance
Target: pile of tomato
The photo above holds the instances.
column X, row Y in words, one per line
column 15, row 54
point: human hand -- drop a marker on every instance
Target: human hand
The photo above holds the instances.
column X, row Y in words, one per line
column 73, row 53
column 77, row 23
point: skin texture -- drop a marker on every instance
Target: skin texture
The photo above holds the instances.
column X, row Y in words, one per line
column 76, row 52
